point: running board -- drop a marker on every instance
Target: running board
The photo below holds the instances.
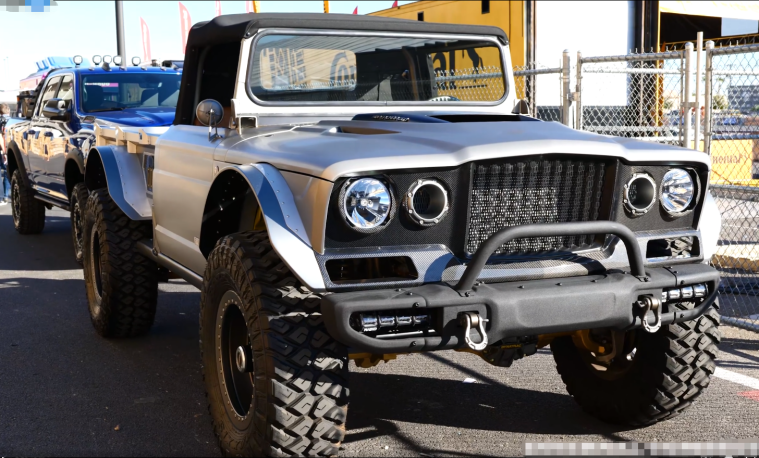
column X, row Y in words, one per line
column 52, row 201
column 146, row 249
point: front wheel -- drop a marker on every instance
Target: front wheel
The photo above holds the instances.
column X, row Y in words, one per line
column 657, row 377
column 121, row 283
column 276, row 382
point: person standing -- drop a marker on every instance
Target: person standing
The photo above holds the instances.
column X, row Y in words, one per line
column 5, row 180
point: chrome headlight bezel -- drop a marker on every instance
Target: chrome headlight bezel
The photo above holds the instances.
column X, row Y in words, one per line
column 693, row 198
column 346, row 212
column 633, row 207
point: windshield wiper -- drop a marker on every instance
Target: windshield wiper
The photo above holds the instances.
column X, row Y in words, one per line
column 107, row 109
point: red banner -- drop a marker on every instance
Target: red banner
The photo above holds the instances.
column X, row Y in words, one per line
column 184, row 24
column 145, row 40
column 218, row 8
column 395, row 4
column 355, row 11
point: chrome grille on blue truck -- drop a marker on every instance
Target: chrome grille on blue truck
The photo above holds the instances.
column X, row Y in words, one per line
column 534, row 190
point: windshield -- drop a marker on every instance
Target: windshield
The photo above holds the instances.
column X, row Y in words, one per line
column 325, row 68
column 119, row 91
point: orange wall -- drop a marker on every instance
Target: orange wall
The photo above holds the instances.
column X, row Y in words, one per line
column 508, row 15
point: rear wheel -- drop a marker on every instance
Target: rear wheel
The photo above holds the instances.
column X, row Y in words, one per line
column 28, row 212
column 121, row 283
column 78, row 203
column 657, row 377
column 276, row 382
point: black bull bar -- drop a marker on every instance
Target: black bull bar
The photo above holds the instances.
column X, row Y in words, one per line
column 523, row 308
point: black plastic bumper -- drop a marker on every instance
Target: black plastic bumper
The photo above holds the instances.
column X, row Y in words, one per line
column 527, row 308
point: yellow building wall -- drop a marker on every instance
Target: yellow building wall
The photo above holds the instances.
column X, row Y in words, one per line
column 508, row 15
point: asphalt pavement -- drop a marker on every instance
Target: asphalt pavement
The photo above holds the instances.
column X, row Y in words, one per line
column 66, row 391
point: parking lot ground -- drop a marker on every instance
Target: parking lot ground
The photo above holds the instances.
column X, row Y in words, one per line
column 66, row 391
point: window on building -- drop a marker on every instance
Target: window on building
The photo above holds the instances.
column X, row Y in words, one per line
column 420, row 16
column 485, row 6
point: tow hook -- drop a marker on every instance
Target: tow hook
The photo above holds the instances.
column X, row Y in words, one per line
column 472, row 320
column 650, row 303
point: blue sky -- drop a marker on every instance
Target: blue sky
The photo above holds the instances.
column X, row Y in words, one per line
column 88, row 28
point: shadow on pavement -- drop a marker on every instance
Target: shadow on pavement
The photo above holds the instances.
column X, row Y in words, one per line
column 65, row 389
column 50, row 250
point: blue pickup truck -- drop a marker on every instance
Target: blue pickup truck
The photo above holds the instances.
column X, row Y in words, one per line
column 48, row 145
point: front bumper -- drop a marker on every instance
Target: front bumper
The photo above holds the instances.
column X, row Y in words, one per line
column 523, row 308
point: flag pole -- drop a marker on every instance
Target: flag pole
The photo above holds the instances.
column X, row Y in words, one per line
column 326, row 6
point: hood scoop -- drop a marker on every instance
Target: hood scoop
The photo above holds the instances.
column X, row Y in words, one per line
column 445, row 118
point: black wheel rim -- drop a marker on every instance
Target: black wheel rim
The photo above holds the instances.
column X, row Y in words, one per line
column 77, row 215
column 232, row 333
column 16, row 202
column 95, row 261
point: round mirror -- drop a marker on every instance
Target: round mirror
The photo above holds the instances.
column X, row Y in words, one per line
column 96, row 59
column 209, row 112
column 107, row 59
column 136, row 61
column 78, row 60
column 117, row 60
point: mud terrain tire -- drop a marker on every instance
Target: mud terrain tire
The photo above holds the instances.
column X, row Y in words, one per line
column 299, row 401
column 670, row 369
column 121, row 284
column 78, row 204
column 28, row 212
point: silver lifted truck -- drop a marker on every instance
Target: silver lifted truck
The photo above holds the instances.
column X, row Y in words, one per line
column 345, row 187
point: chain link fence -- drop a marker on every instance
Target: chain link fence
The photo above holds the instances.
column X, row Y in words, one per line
column 637, row 96
column 526, row 80
column 732, row 140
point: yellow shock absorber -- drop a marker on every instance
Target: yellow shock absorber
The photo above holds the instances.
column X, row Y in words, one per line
column 367, row 360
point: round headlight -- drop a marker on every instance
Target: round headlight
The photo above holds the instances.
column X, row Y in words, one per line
column 639, row 193
column 366, row 203
column 677, row 190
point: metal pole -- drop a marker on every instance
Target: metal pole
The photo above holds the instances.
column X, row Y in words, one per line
column 120, row 42
column 565, row 96
column 697, row 128
column 530, row 81
column 686, row 97
column 708, row 99
column 578, row 93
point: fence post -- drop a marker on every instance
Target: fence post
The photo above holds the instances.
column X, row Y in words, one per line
column 578, row 93
column 565, row 96
column 697, row 101
column 708, row 99
column 686, row 97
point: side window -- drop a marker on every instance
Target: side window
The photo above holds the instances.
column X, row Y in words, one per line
column 50, row 90
column 66, row 92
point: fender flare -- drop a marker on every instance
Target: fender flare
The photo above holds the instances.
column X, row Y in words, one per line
column 12, row 146
column 124, row 179
column 76, row 155
column 287, row 234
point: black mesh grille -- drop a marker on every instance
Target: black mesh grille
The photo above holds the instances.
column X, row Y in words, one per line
column 534, row 191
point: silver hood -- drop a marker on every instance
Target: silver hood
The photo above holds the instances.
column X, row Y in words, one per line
column 331, row 149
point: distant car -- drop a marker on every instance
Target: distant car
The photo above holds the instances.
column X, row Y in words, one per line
column 48, row 144
column 728, row 118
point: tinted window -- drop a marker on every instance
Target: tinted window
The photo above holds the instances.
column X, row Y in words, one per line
column 49, row 92
column 66, row 91
column 322, row 68
column 120, row 91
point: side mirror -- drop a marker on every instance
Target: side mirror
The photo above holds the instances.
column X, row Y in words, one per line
column 521, row 108
column 209, row 112
column 55, row 109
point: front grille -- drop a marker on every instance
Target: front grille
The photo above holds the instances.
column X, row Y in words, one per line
column 534, row 190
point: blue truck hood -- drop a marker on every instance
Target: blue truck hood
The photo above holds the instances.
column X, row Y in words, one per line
column 140, row 117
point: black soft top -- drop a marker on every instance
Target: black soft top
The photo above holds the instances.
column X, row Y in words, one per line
column 233, row 27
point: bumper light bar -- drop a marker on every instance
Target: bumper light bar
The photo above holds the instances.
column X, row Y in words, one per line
column 686, row 292
column 372, row 322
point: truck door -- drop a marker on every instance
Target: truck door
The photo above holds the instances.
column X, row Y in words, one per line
column 56, row 133
column 36, row 139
